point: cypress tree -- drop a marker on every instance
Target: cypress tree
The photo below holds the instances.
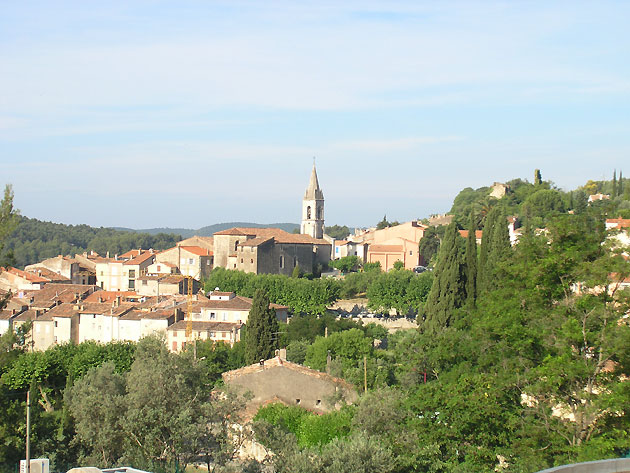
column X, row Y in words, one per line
column 614, row 184
column 499, row 248
column 448, row 291
column 261, row 339
column 486, row 240
column 620, row 184
column 471, row 263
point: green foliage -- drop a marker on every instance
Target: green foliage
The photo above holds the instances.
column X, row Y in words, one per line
column 471, row 263
column 338, row 232
column 372, row 267
column 448, row 291
column 311, row 430
column 261, row 337
column 430, row 244
column 219, row 357
column 34, row 240
column 301, row 295
column 401, row 290
column 346, row 264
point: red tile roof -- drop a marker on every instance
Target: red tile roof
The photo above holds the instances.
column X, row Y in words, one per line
column 197, row 250
column 619, row 222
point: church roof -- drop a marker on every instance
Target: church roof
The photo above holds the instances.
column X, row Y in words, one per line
column 313, row 191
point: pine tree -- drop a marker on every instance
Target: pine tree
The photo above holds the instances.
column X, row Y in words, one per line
column 448, row 292
column 261, row 334
column 471, row 263
column 537, row 177
column 614, row 184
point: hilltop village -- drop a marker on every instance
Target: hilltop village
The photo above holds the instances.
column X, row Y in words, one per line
column 125, row 297
column 241, row 337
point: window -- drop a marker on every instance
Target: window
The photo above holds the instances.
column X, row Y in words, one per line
column 225, row 335
column 174, row 346
column 282, row 261
column 211, row 334
column 297, row 401
column 236, row 245
column 224, row 316
column 56, row 324
column 308, row 212
column 174, row 333
column 241, row 260
column 144, row 282
column 234, row 265
column 132, row 273
column 159, row 268
column 251, row 260
column 318, row 402
column 101, row 273
column 132, row 284
column 336, row 249
column 294, row 261
column 191, row 260
column 55, row 339
column 213, row 316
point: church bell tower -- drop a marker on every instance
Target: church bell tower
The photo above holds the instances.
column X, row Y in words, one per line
column 313, row 208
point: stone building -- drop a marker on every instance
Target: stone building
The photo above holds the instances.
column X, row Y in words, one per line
column 269, row 250
column 313, row 208
column 279, row 380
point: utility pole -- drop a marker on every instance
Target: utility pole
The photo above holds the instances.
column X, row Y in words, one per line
column 28, row 430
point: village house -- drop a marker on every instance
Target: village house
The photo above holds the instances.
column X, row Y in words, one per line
column 193, row 261
column 163, row 285
column 13, row 279
column 396, row 243
column 61, row 265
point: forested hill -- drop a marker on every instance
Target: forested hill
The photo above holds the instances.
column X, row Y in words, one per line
column 211, row 229
column 34, row 240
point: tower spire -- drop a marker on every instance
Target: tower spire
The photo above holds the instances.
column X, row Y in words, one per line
column 313, row 191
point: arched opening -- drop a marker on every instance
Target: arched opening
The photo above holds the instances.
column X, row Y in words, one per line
column 236, row 245
column 308, row 212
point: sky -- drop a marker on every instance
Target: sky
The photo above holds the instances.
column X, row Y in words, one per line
column 149, row 113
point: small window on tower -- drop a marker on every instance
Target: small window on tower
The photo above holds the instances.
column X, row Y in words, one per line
column 282, row 261
column 308, row 212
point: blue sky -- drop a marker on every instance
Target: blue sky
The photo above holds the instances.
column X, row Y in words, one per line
column 182, row 114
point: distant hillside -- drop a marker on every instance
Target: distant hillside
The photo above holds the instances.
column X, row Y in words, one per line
column 210, row 229
column 34, row 240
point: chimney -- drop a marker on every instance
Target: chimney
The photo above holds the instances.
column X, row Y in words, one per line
column 107, row 255
column 282, row 353
column 118, row 301
column 100, row 298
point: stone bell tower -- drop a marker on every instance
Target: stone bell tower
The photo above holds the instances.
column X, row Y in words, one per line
column 313, row 208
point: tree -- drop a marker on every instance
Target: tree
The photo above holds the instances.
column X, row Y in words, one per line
column 429, row 244
column 383, row 223
column 614, row 185
column 620, row 184
column 448, row 291
column 338, row 232
column 346, row 264
column 537, row 177
column 471, row 263
column 261, row 337
column 96, row 402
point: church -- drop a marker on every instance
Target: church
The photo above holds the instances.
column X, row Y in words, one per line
column 273, row 250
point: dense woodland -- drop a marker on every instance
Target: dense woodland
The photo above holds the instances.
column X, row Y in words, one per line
column 33, row 241
column 518, row 363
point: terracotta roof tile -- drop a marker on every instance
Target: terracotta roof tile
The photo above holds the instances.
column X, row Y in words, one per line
column 209, row 326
